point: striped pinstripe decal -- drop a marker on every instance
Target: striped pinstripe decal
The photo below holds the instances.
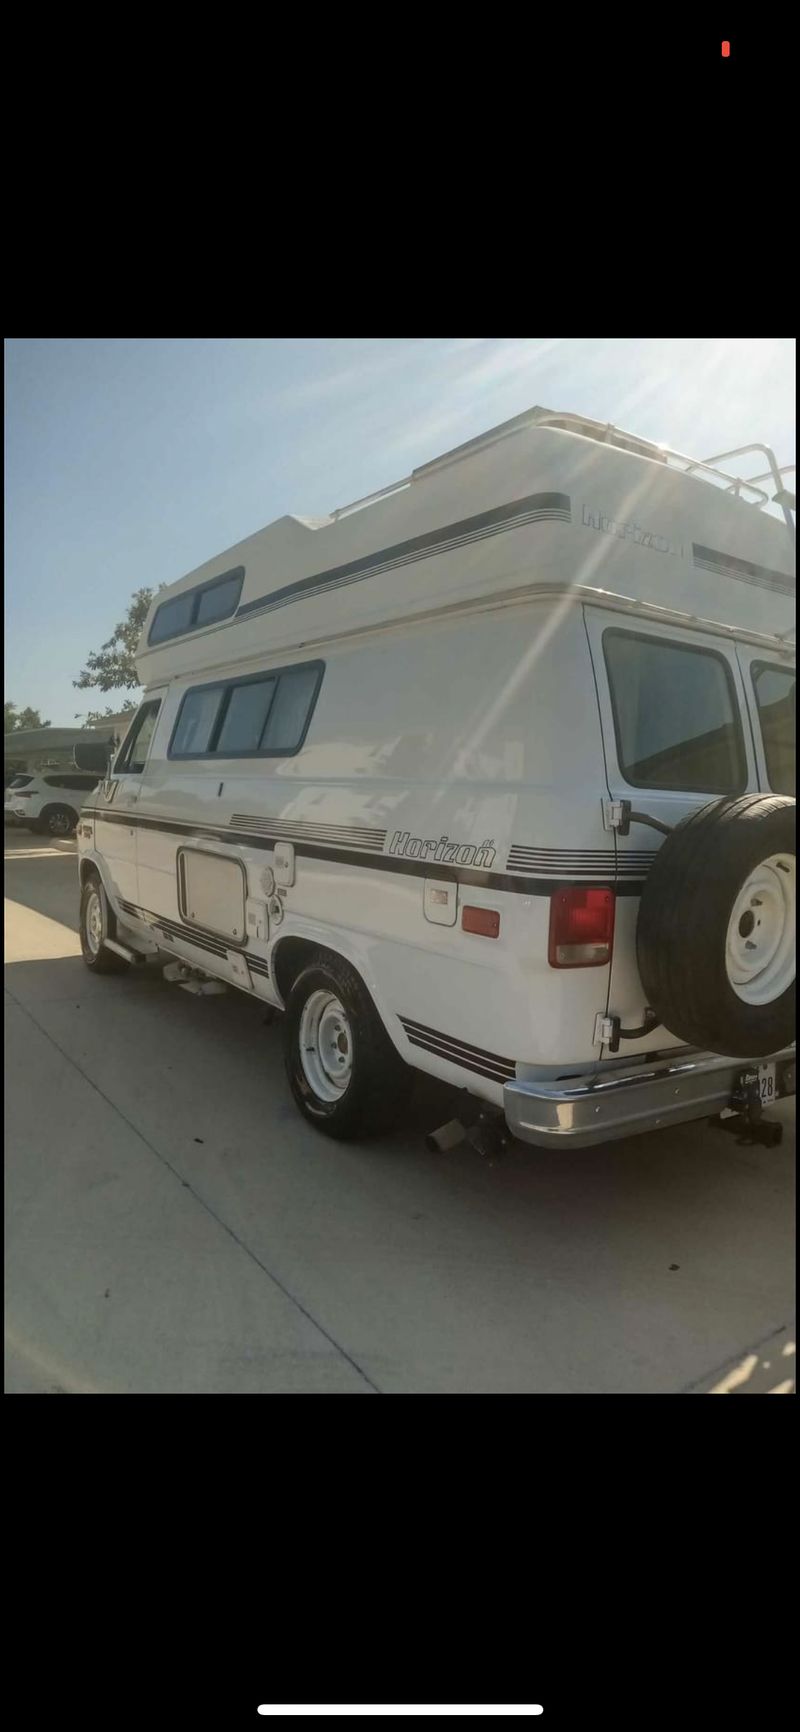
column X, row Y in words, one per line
column 519, row 881
column 581, row 863
column 459, row 1052
column 537, row 508
column 287, row 829
column 726, row 565
column 190, row 935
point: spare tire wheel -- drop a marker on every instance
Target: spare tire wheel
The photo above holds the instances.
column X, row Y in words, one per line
column 716, row 931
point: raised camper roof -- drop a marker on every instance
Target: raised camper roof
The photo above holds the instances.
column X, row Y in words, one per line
column 548, row 502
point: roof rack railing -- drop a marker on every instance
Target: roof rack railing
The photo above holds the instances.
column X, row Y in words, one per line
column 371, row 498
column 607, row 433
column 782, row 495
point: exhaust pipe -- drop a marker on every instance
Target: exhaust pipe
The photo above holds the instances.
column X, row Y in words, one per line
column 447, row 1137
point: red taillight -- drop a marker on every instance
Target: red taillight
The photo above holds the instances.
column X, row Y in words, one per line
column 485, row 921
column 581, row 928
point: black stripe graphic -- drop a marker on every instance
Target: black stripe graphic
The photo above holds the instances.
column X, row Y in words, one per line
column 515, row 883
column 347, row 835
column 190, row 935
column 458, row 1052
column 727, row 565
column 537, row 508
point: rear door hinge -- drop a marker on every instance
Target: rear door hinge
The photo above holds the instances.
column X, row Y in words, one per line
column 616, row 815
column 604, row 1029
column 619, row 815
column 609, row 1032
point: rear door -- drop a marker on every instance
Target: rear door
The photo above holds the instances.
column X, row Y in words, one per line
column 676, row 735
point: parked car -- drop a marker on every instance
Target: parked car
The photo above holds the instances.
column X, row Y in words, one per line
column 48, row 801
column 491, row 776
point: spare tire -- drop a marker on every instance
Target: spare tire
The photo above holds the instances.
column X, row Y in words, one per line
column 716, row 930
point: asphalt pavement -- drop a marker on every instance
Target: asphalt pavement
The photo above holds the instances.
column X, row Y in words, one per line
column 174, row 1226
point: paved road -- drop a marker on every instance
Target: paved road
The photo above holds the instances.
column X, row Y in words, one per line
column 174, row 1226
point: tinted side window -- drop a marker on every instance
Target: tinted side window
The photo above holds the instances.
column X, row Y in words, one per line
column 290, row 711
column 54, row 781
column 252, row 717
column 219, row 601
column 132, row 758
column 172, row 618
column 775, row 697
column 245, row 716
column 675, row 715
column 204, row 605
column 198, row 715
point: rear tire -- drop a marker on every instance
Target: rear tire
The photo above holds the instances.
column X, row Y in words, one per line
column 56, row 821
column 345, row 1075
column 97, row 923
column 715, row 937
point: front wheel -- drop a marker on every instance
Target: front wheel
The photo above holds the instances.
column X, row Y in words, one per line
column 96, row 925
column 343, row 1071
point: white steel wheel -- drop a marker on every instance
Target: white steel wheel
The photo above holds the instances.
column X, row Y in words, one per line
column 93, row 921
column 759, row 947
column 326, row 1046
column 97, row 926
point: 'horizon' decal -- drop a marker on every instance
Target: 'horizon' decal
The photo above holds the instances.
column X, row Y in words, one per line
column 442, row 850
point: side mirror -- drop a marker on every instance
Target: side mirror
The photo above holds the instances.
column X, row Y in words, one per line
column 94, row 756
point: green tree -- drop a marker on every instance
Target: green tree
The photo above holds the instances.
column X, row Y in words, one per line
column 113, row 666
column 93, row 718
column 14, row 719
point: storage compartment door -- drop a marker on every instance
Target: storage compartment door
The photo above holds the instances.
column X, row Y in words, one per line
column 211, row 892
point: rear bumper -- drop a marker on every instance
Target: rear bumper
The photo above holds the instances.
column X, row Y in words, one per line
column 607, row 1107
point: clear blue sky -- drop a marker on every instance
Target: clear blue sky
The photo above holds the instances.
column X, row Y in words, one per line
column 130, row 460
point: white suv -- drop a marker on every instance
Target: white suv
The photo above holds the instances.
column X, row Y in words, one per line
column 48, row 801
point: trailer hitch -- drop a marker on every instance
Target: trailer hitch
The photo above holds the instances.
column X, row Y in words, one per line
column 746, row 1120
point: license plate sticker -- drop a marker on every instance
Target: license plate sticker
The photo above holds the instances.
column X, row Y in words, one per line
column 767, row 1084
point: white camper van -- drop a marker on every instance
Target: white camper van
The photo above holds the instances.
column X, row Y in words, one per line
column 490, row 775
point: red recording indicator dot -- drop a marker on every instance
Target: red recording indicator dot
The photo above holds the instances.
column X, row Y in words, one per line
column 726, row 51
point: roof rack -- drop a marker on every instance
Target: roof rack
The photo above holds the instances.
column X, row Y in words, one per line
column 608, row 434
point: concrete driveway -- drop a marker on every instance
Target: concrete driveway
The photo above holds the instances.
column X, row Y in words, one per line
column 174, row 1226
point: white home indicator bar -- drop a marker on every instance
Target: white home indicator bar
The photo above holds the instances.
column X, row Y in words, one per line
column 404, row 1708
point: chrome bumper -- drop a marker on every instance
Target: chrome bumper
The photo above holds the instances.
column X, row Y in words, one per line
column 607, row 1107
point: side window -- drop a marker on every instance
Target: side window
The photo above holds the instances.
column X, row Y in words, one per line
column 291, row 711
column 133, row 757
column 206, row 604
column 247, row 711
column 196, row 721
column 266, row 716
column 172, row 618
column 775, row 697
column 54, row 781
column 218, row 602
column 676, row 716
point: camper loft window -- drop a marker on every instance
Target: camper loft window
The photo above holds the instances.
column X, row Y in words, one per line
column 219, row 601
column 206, row 604
column 775, row 694
column 675, row 715
column 260, row 716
